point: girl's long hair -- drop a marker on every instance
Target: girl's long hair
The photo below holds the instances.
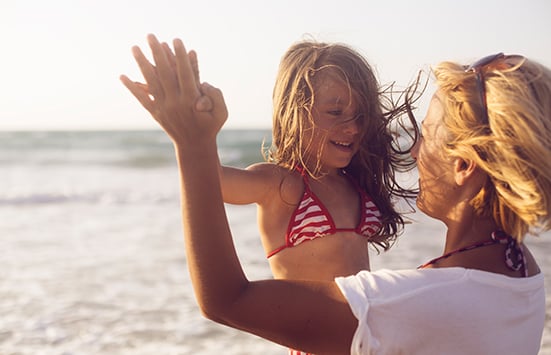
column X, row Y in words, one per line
column 388, row 130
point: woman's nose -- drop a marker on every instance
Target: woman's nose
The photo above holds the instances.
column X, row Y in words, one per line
column 415, row 150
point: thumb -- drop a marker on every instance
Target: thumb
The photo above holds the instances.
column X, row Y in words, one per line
column 203, row 104
column 216, row 100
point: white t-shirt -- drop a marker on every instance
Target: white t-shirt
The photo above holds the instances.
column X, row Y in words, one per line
column 445, row 311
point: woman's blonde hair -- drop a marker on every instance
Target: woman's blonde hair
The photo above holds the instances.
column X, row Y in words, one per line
column 379, row 157
column 512, row 145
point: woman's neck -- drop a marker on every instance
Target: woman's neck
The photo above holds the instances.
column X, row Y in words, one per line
column 466, row 229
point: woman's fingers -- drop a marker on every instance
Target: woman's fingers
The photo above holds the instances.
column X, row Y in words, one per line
column 194, row 66
column 186, row 77
column 149, row 72
column 169, row 56
column 140, row 92
column 165, row 73
column 174, row 73
column 173, row 95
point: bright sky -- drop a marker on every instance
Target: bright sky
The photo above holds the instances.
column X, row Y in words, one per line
column 61, row 59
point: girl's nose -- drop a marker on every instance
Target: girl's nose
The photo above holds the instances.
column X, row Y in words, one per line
column 351, row 127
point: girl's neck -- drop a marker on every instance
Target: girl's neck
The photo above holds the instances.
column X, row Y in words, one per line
column 323, row 172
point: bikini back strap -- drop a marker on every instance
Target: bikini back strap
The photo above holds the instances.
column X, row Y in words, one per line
column 514, row 256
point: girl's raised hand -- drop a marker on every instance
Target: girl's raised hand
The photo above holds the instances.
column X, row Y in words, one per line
column 188, row 111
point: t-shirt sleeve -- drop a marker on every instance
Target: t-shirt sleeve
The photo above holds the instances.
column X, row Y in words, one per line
column 357, row 296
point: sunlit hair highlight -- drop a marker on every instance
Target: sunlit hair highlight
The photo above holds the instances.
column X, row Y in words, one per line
column 513, row 148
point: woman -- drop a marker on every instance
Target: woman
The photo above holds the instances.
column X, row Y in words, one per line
column 485, row 295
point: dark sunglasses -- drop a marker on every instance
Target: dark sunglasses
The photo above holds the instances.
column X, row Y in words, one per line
column 477, row 68
column 496, row 61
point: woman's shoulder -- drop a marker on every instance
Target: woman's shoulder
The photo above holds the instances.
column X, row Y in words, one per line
column 405, row 283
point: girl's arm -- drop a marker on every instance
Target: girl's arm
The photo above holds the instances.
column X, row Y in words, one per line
column 312, row 316
column 250, row 185
column 239, row 186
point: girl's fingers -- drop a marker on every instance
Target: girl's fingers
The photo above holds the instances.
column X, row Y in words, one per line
column 218, row 105
column 203, row 104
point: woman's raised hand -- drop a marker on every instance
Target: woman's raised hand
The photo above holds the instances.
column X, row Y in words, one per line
column 189, row 112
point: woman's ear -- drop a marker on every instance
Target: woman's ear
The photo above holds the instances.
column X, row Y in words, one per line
column 463, row 170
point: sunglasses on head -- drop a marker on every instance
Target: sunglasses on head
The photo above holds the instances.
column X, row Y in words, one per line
column 499, row 61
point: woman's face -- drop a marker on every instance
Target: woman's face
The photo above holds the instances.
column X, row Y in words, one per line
column 335, row 130
column 436, row 183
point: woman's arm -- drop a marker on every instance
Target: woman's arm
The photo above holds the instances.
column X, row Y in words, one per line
column 312, row 316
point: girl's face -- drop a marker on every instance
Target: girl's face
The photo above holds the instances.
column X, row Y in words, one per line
column 335, row 131
column 436, row 183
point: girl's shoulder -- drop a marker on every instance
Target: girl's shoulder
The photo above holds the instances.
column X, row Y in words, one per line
column 286, row 183
column 273, row 171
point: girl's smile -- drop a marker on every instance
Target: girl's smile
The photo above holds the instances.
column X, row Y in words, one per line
column 334, row 132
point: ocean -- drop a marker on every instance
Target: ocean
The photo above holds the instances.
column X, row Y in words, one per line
column 92, row 251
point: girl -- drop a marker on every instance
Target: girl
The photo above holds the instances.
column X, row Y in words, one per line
column 328, row 185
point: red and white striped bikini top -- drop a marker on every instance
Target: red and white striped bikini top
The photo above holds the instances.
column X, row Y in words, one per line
column 312, row 220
